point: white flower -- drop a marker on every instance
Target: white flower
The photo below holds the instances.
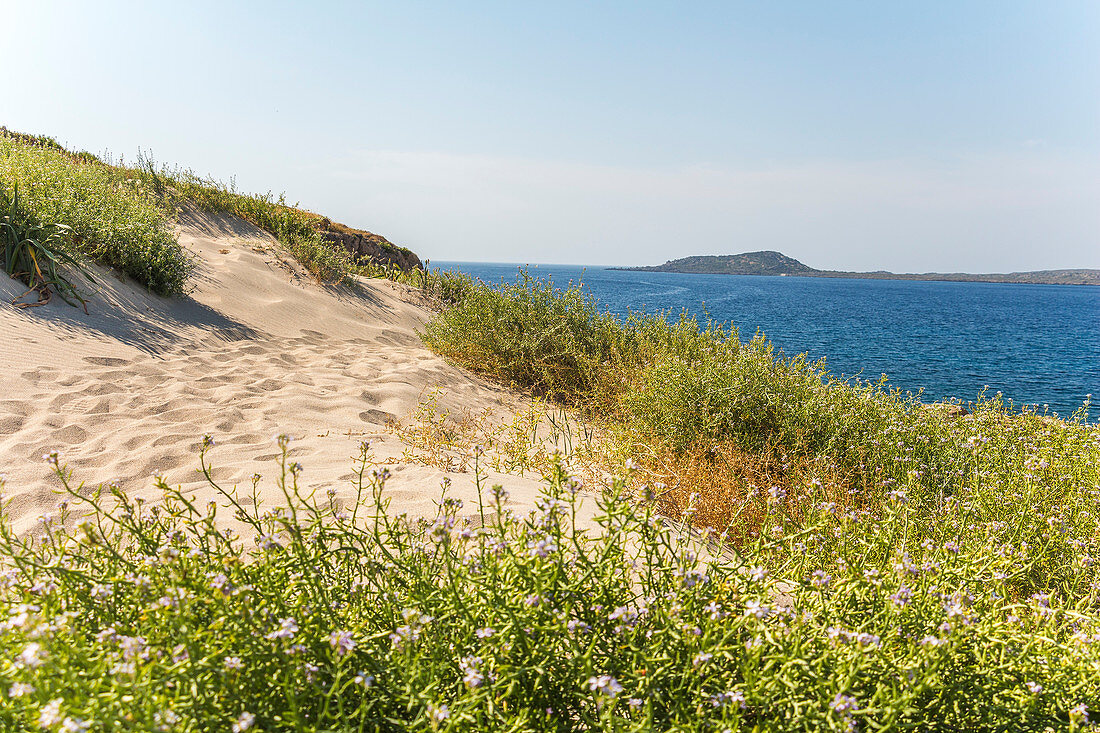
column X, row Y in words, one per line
column 74, row 725
column 232, row 663
column 19, row 689
column 1033, row 687
column 244, row 722
column 485, row 633
column 756, row 609
column 50, row 714
column 32, row 655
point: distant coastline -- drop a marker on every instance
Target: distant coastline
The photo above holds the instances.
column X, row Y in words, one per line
column 777, row 264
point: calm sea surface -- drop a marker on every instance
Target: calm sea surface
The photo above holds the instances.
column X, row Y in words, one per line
column 1037, row 344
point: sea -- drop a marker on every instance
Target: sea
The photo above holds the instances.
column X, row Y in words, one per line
column 1036, row 345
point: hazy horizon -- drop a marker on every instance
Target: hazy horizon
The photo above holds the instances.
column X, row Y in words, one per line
column 939, row 137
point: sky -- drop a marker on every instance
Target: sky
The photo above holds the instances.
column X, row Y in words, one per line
column 930, row 136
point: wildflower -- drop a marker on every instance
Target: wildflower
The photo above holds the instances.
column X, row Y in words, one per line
column 485, row 633
column 364, row 680
column 32, row 655
column 843, row 703
column 438, row 713
column 902, row 597
column 932, row 642
column 180, row 653
column 288, row 627
column 74, row 725
column 207, row 441
column 1079, row 714
column 341, row 642
column 693, row 578
column 132, row 646
column 53, row 458
column 776, row 494
column 222, row 585
column 605, row 685
column 757, row 573
column 701, row 658
column 166, row 719
column 1033, row 687
column 714, row 609
column 820, row 579
column 50, row 714
column 631, row 465
column 472, row 675
column 19, row 689
column 245, row 721
column 756, row 609
column 635, row 703
column 542, row 548
column 728, row 698
column 233, row 663
column 575, row 624
column 898, row 496
column 267, row 542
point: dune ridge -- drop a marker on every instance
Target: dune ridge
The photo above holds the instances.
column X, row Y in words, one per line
column 256, row 349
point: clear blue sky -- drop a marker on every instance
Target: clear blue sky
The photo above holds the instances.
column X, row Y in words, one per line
column 855, row 135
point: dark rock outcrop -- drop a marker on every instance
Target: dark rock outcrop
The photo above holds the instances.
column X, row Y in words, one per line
column 369, row 246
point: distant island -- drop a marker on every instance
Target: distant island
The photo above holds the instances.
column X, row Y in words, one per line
column 777, row 263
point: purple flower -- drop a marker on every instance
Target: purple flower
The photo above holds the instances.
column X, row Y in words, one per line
column 605, row 685
column 341, row 642
column 843, row 703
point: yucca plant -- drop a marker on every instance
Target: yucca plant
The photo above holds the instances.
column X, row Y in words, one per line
column 33, row 254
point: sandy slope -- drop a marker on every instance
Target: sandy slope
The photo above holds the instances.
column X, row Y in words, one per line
column 257, row 349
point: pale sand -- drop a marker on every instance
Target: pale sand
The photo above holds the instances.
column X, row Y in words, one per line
column 257, row 349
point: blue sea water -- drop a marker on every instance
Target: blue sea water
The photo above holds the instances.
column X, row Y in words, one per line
column 1036, row 344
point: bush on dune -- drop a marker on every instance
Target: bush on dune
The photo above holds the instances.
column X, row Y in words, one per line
column 108, row 217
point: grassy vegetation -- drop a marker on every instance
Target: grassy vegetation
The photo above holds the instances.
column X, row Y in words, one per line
column 106, row 216
column 121, row 216
column 323, row 616
column 294, row 228
column 856, row 480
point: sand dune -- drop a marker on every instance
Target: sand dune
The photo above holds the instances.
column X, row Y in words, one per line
column 255, row 350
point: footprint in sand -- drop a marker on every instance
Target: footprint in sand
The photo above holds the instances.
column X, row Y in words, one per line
column 106, row 361
column 377, row 417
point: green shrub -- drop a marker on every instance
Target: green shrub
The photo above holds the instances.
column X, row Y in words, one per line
column 553, row 342
column 107, row 217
